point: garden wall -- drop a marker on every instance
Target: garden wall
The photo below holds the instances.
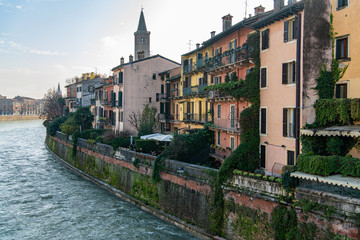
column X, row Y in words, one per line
column 185, row 192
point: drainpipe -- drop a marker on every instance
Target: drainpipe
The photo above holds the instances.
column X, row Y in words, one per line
column 298, row 75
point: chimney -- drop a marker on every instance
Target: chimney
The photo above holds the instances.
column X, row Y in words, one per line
column 227, row 22
column 140, row 55
column 197, row 45
column 259, row 9
column 278, row 4
column 122, row 61
column 131, row 58
column 212, row 34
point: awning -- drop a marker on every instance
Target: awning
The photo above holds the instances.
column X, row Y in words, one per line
column 337, row 180
column 345, row 131
column 158, row 137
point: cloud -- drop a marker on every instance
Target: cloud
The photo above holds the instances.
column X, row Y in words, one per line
column 18, row 6
column 23, row 49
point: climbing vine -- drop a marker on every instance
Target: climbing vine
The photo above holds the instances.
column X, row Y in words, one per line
column 327, row 79
column 246, row 155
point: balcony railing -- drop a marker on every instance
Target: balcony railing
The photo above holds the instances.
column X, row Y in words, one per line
column 174, row 117
column 194, row 117
column 193, row 90
column 188, row 68
column 228, row 57
column 174, row 92
column 227, row 123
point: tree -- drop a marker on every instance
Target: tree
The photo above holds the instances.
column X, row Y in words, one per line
column 83, row 118
column 134, row 120
column 148, row 122
column 54, row 105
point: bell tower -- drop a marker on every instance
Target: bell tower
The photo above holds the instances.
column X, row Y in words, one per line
column 142, row 39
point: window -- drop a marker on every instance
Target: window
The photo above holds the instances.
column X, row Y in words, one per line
column 218, row 111
column 149, row 99
column 121, row 76
column 290, row 158
column 200, row 81
column 232, row 143
column 218, row 138
column 290, row 29
column 120, row 99
column 121, row 116
column 341, row 90
column 263, row 82
column 154, row 76
column 262, row 155
column 218, row 51
column 142, row 40
column 218, row 80
column 232, row 116
column 232, row 56
column 342, row 4
column 342, row 48
column 265, row 39
column 263, row 120
column 288, row 73
column 289, row 122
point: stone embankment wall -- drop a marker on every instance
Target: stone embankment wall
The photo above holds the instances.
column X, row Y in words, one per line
column 18, row 117
column 184, row 195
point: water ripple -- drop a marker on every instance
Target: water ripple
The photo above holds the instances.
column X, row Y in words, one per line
column 42, row 199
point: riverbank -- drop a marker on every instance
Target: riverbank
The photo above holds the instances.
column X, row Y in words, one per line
column 18, row 117
column 186, row 192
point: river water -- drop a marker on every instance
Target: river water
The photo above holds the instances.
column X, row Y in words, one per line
column 42, row 199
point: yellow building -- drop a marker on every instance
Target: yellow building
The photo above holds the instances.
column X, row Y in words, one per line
column 347, row 49
column 191, row 105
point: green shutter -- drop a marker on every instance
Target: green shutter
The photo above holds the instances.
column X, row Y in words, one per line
column 285, row 73
column 120, row 99
column 286, row 29
column 285, row 110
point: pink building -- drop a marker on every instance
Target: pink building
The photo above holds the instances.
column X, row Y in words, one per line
column 294, row 44
column 230, row 58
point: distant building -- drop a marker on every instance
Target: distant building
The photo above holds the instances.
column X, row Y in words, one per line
column 142, row 40
column 82, row 92
column 6, row 106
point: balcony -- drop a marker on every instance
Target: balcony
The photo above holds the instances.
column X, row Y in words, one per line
column 229, row 125
column 191, row 117
column 194, row 90
column 188, row 68
column 174, row 93
column 229, row 60
column 104, row 102
column 200, row 63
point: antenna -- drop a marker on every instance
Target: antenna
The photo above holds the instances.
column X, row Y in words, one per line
column 189, row 45
column 246, row 5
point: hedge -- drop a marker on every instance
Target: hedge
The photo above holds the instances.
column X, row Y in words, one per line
column 147, row 146
column 328, row 165
column 122, row 142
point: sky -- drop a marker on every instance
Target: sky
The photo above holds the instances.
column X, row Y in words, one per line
column 45, row 42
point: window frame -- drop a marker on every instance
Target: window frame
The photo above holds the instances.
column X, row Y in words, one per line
column 346, row 89
column 347, row 51
column 232, row 143
column 338, row 8
column 288, row 119
column 289, row 72
column 263, row 163
column 218, row 139
column 262, row 71
column 287, row 157
column 218, row 115
column 265, row 36
column 261, row 122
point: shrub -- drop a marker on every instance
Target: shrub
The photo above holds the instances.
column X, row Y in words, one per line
column 146, row 146
column 91, row 141
column 328, row 165
column 54, row 125
column 69, row 126
column 122, row 142
column 283, row 221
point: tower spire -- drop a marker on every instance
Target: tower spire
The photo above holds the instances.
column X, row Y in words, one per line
column 142, row 39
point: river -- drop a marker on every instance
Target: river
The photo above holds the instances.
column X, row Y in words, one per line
column 42, row 199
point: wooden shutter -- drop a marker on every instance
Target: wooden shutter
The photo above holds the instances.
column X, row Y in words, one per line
column 290, row 158
column 235, row 43
column 263, row 77
column 262, row 155
column 295, row 27
column 285, row 110
column 120, row 99
column 121, row 77
column 220, row 50
column 265, row 39
column 285, row 73
column 294, row 72
column 286, row 30
column 263, row 121
column 230, row 46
